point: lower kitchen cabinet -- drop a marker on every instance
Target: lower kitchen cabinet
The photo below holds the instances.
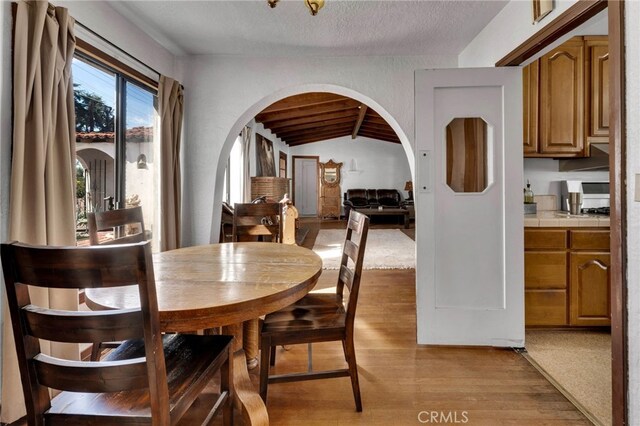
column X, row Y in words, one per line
column 590, row 289
column 567, row 277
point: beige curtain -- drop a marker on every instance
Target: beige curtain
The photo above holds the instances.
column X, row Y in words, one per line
column 42, row 201
column 170, row 101
column 246, row 171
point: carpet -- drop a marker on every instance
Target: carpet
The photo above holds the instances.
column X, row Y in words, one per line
column 386, row 249
column 578, row 363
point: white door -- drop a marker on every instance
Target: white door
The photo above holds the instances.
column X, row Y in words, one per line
column 306, row 186
column 470, row 267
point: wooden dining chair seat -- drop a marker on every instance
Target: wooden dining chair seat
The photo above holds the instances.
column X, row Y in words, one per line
column 321, row 317
column 150, row 378
column 190, row 358
column 127, row 226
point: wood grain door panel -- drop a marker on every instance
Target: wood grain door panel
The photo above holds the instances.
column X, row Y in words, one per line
column 590, row 240
column 562, row 100
column 597, row 89
column 545, row 239
column 590, row 289
column 545, row 270
column 545, row 307
column 530, row 99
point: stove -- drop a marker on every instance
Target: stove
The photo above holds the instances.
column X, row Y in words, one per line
column 602, row 211
column 595, row 196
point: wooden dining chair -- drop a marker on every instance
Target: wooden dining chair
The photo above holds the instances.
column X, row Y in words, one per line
column 151, row 378
column 120, row 222
column 321, row 317
column 257, row 222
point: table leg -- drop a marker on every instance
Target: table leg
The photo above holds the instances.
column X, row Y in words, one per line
column 250, row 336
column 406, row 221
column 246, row 398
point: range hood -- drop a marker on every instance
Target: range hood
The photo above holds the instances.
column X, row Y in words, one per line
column 599, row 160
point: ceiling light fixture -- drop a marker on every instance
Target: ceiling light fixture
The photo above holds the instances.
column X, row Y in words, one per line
column 313, row 5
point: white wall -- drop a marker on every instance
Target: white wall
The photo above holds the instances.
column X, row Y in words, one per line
column 380, row 165
column 512, row 26
column 632, row 11
column 231, row 90
column 545, row 178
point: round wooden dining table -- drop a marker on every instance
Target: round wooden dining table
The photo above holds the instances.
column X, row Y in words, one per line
column 223, row 285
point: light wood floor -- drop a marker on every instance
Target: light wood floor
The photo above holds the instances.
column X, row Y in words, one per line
column 401, row 380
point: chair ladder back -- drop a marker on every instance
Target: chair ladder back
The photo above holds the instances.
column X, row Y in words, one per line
column 116, row 220
column 76, row 268
column 354, row 248
column 82, row 326
column 255, row 220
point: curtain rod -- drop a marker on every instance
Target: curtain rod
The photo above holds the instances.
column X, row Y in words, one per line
column 117, row 47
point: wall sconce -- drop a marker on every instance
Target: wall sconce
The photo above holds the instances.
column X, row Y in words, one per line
column 408, row 186
column 142, row 161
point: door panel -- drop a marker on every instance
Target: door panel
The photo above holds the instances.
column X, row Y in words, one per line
column 306, row 186
column 470, row 267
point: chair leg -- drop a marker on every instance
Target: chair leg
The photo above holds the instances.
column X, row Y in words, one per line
column 273, row 356
column 95, row 352
column 265, row 354
column 226, row 376
column 350, row 356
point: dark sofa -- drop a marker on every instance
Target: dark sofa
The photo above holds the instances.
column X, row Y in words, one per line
column 371, row 199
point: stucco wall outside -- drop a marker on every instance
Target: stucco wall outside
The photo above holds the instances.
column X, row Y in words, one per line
column 232, row 89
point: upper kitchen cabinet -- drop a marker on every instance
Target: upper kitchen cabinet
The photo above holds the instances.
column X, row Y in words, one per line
column 597, row 89
column 565, row 95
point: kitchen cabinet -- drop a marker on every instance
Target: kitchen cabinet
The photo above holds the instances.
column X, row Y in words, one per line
column 597, row 89
column 565, row 99
column 567, row 277
column 530, row 79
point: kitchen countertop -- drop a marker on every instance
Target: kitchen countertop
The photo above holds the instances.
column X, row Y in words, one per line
column 560, row 219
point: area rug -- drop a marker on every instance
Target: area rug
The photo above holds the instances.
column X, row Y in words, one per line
column 385, row 249
column 578, row 363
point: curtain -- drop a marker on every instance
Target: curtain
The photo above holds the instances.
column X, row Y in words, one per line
column 170, row 101
column 42, row 199
column 246, row 172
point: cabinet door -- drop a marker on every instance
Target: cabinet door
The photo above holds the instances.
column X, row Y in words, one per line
column 530, row 83
column 597, row 89
column 590, row 288
column 562, row 100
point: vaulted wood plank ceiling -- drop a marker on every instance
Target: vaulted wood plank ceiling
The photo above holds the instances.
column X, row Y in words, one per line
column 317, row 116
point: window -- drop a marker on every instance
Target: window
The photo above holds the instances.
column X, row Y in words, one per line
column 282, row 165
column 234, row 174
column 116, row 122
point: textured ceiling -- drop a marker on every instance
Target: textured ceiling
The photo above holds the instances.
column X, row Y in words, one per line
column 341, row 28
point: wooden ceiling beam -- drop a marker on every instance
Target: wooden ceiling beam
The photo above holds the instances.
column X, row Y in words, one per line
column 314, row 124
column 317, row 138
column 376, row 126
column 380, row 136
column 311, row 132
column 363, row 112
column 303, row 100
column 375, row 120
column 352, row 114
column 301, row 112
